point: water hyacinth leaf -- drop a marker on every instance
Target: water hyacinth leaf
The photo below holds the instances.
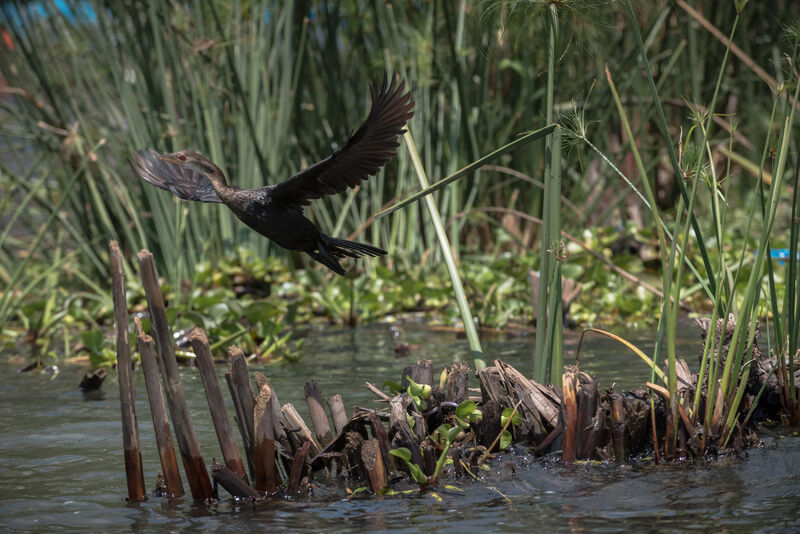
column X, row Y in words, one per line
column 416, row 473
column 505, row 440
column 423, row 391
column 394, row 387
column 466, row 408
column 402, row 453
column 452, row 433
column 441, row 433
column 516, row 418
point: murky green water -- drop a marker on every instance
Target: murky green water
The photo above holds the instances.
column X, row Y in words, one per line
column 61, row 464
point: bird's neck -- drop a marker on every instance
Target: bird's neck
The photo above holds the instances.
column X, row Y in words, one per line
column 220, row 185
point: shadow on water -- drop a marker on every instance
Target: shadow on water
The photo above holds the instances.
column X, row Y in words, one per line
column 63, row 467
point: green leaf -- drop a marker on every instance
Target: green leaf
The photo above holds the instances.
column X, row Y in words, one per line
column 401, row 452
column 466, row 408
column 93, row 339
column 505, row 440
column 452, row 433
column 516, row 419
column 394, row 387
column 416, row 473
column 423, row 391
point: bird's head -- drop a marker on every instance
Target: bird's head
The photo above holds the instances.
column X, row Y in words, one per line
column 196, row 162
column 191, row 160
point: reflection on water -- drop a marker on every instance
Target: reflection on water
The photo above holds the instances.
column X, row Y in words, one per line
column 62, row 465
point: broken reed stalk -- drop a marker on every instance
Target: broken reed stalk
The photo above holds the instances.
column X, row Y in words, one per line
column 569, row 409
column 193, row 463
column 372, row 461
column 238, row 379
column 232, row 482
column 422, row 372
column 216, row 404
column 158, row 410
column 264, row 439
column 130, row 428
column 338, row 412
column 457, row 379
column 298, row 465
column 293, row 420
column 618, row 427
column 319, row 420
column 587, row 411
column 379, row 433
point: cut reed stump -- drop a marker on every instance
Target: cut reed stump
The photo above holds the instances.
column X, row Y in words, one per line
column 193, row 463
column 216, row 404
column 372, row 462
column 264, row 439
column 319, row 420
column 171, row 476
column 232, row 482
column 298, row 468
column 130, row 427
column 338, row 412
column 238, row 379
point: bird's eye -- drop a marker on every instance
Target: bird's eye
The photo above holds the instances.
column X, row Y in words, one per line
column 182, row 157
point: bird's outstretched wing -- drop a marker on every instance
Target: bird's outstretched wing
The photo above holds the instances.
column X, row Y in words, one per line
column 372, row 146
column 183, row 182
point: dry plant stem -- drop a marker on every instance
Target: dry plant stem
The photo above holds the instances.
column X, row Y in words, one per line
column 158, row 411
column 377, row 392
column 216, row 404
column 379, row 433
column 587, row 412
column 319, row 420
column 457, row 382
column 505, row 427
column 238, row 379
column 232, row 482
column 656, row 453
column 618, row 427
column 298, row 465
column 372, row 462
column 422, row 372
column 264, row 439
column 193, row 462
column 738, row 52
column 294, row 421
column 569, row 410
column 338, row 412
column 130, row 428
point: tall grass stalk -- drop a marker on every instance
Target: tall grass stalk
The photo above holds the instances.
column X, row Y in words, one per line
column 548, row 315
column 444, row 244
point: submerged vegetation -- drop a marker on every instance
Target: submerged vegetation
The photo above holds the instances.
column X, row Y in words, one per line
column 663, row 174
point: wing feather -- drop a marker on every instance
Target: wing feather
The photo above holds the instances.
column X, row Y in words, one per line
column 372, row 146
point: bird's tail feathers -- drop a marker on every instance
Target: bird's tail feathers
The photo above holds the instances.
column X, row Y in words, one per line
column 352, row 249
column 331, row 249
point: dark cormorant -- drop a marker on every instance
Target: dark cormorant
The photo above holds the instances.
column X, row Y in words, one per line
column 276, row 211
